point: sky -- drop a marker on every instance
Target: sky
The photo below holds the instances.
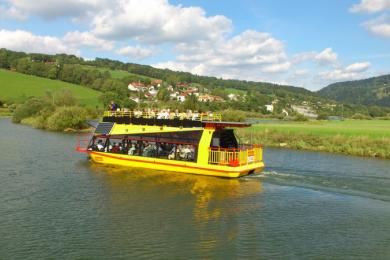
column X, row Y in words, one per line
column 302, row 43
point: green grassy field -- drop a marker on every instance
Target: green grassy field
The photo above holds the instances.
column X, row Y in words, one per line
column 370, row 128
column 369, row 138
column 16, row 87
column 117, row 74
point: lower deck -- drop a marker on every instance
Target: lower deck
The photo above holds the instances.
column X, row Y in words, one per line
column 176, row 166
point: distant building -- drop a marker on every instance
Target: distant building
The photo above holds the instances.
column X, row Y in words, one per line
column 156, row 82
column 181, row 97
column 135, row 99
column 209, row 98
column 269, row 108
column 136, row 86
column 233, row 97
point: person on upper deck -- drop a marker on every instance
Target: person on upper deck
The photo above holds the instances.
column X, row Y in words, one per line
column 113, row 106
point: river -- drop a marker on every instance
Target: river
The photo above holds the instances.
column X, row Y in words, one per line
column 55, row 204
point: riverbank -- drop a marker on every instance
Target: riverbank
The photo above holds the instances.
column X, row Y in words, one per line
column 369, row 138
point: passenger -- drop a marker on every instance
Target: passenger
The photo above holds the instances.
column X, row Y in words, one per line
column 195, row 116
column 109, row 148
column 113, row 106
column 115, row 148
column 132, row 150
column 100, row 146
column 171, row 155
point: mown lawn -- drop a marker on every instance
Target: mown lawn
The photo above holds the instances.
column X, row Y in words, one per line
column 369, row 128
column 16, row 87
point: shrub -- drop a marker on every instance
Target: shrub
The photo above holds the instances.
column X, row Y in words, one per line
column 233, row 115
column 360, row 116
column 322, row 116
column 30, row 108
column 67, row 117
column 300, row 118
column 64, row 98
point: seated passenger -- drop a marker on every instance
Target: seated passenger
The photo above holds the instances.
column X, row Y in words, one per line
column 115, row 148
column 132, row 150
column 100, row 146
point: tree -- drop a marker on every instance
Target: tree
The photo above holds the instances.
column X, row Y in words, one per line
column 163, row 94
column 107, row 97
column 191, row 102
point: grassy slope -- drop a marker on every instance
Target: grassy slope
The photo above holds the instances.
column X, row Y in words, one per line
column 15, row 86
column 117, row 74
column 370, row 128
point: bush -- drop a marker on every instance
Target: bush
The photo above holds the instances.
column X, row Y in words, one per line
column 64, row 98
column 67, row 117
column 360, row 116
column 300, row 118
column 30, row 108
column 233, row 115
column 322, row 116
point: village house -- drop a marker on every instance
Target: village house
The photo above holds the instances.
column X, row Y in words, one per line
column 269, row 108
column 152, row 91
column 135, row 99
column 174, row 95
column 156, row 82
column 181, row 97
column 136, row 86
column 170, row 88
column 233, row 97
column 181, row 84
column 209, row 98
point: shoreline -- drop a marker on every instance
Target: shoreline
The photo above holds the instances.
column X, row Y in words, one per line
column 361, row 146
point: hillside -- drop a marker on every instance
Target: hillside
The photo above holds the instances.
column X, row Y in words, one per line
column 15, row 86
column 111, row 78
column 372, row 91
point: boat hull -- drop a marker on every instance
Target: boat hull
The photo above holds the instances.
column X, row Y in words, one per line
column 176, row 166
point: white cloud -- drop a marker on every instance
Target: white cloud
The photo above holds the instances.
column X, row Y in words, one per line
column 327, row 56
column 158, row 21
column 249, row 55
column 50, row 9
column 351, row 72
column 379, row 26
column 26, row 41
column 11, row 12
column 87, row 39
column 370, row 6
column 135, row 52
column 358, row 67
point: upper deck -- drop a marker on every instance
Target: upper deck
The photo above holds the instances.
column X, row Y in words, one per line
column 183, row 120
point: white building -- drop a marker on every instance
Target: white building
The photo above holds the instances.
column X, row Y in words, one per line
column 181, row 98
column 269, row 108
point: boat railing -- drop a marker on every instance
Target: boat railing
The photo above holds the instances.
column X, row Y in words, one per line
column 235, row 156
column 151, row 114
column 83, row 142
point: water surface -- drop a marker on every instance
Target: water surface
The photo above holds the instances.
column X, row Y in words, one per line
column 55, row 204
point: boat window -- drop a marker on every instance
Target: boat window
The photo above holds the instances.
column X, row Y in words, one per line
column 97, row 144
column 159, row 147
column 224, row 138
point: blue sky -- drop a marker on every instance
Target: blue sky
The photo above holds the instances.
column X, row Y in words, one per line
column 302, row 43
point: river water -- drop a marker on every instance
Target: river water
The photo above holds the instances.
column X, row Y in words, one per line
column 55, row 204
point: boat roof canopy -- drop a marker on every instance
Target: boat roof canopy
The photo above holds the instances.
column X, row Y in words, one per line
column 202, row 121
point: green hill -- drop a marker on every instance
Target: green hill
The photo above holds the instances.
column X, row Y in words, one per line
column 372, row 91
column 16, row 86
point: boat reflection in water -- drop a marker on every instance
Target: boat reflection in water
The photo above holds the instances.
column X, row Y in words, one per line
column 206, row 209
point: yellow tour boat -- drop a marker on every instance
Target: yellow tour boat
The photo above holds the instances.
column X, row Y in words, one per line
column 202, row 144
